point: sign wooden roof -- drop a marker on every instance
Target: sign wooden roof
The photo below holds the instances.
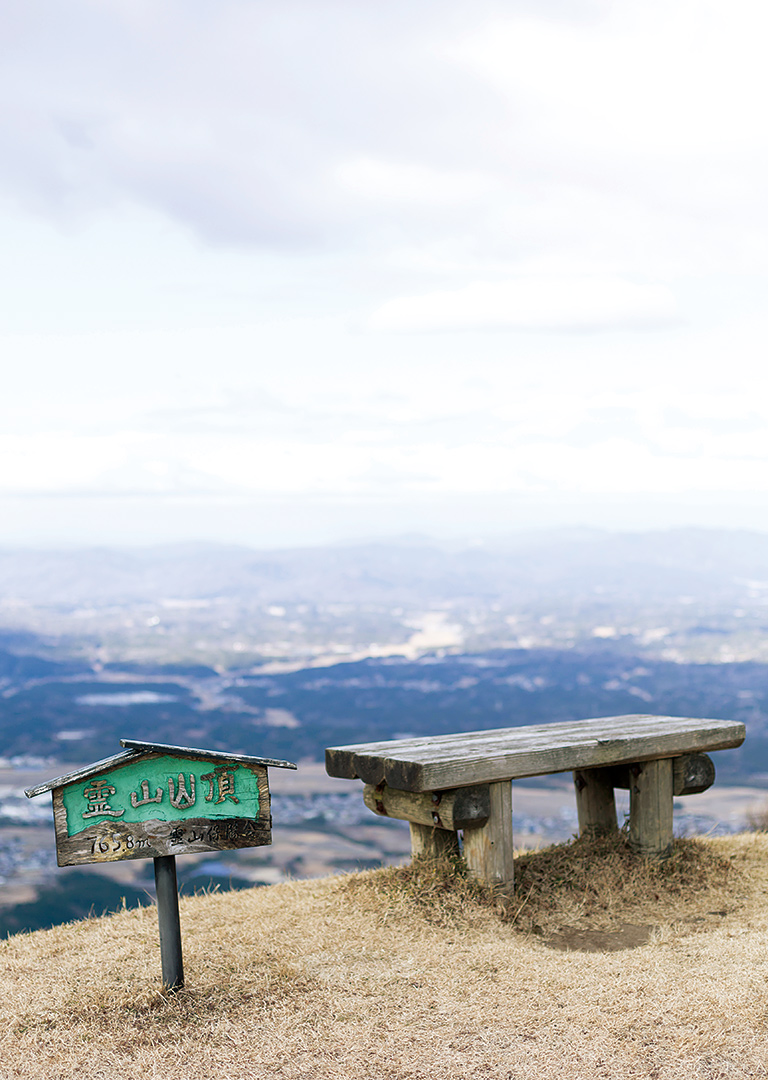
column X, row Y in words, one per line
column 136, row 749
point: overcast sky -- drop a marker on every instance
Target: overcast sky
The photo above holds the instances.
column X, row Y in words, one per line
column 284, row 271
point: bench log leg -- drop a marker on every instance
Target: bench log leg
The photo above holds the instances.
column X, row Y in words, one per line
column 595, row 802
column 428, row 842
column 650, row 807
column 488, row 850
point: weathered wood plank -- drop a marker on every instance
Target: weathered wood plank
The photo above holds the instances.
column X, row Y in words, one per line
column 610, row 727
column 110, row 843
column 463, row 760
column 443, row 747
column 650, row 808
column 345, row 761
column 599, row 727
column 488, row 850
column 595, row 802
column 429, row 842
column 462, row 808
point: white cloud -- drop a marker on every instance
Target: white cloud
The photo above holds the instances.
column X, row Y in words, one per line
column 389, row 182
column 55, row 461
column 661, row 78
column 532, row 304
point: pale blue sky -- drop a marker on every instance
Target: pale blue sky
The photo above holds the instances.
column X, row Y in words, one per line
column 299, row 271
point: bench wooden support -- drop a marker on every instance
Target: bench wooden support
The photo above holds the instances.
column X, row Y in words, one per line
column 595, row 802
column 652, row 786
column 691, row 774
column 462, row 808
column 488, row 850
column 430, row 842
column 650, row 807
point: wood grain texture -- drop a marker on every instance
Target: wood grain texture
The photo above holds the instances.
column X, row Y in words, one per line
column 428, row 842
column 595, row 802
column 650, row 808
column 462, row 760
column 462, row 808
column 488, row 850
column 692, row 774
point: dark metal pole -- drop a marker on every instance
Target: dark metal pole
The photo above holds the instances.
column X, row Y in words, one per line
column 168, row 920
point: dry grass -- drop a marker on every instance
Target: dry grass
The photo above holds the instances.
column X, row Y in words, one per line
column 439, row 891
column 599, row 880
column 603, row 881
column 412, row 974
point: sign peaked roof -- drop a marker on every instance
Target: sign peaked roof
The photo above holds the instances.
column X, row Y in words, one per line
column 135, row 749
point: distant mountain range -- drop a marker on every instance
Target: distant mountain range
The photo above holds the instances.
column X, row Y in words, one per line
column 703, row 565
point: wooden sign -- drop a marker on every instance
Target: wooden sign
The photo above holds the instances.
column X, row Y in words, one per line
column 155, row 800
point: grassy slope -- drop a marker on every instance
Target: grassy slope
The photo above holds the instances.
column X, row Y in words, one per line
column 390, row 975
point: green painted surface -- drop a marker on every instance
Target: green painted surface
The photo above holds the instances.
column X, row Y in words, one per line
column 152, row 790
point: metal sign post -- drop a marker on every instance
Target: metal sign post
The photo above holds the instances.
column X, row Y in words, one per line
column 155, row 801
column 169, row 924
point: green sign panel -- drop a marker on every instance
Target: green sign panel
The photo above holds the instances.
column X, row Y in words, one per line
column 162, row 789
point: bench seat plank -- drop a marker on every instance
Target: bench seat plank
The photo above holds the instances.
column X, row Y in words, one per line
column 435, row 763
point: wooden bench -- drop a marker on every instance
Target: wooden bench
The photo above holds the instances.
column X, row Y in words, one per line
column 447, row 784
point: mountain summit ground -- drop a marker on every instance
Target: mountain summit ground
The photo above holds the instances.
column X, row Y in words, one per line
column 599, row 966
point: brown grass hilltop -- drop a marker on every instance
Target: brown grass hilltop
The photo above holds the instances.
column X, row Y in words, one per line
column 600, row 966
